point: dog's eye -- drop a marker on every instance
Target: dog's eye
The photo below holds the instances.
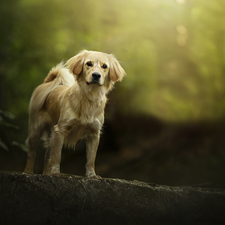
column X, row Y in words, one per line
column 104, row 66
column 89, row 64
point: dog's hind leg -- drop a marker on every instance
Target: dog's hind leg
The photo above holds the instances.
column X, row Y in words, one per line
column 53, row 157
column 32, row 141
column 47, row 151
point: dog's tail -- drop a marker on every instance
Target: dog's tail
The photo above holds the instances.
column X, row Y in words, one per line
column 58, row 76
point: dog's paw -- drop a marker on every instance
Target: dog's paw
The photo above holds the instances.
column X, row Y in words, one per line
column 52, row 174
column 94, row 176
column 28, row 172
column 51, row 170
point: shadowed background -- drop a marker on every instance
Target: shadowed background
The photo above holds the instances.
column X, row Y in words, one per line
column 165, row 122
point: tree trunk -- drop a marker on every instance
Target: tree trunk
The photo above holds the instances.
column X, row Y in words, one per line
column 65, row 199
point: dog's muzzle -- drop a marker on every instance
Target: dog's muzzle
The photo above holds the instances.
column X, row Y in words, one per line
column 95, row 78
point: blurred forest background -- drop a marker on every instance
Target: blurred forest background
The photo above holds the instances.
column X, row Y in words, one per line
column 165, row 122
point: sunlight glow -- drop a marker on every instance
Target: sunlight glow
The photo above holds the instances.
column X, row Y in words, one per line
column 182, row 35
column 181, row 1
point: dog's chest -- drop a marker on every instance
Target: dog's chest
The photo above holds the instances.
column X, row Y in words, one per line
column 87, row 112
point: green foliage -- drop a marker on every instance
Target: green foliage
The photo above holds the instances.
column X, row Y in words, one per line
column 5, row 126
column 172, row 51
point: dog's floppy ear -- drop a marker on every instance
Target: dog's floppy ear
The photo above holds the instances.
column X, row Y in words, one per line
column 116, row 72
column 75, row 64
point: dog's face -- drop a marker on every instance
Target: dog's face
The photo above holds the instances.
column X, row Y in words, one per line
column 96, row 68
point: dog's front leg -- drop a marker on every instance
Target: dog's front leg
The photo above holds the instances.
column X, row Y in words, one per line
column 52, row 166
column 91, row 151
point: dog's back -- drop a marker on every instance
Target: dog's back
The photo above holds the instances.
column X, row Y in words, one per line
column 58, row 76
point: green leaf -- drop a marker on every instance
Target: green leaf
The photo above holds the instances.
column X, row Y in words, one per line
column 22, row 146
column 10, row 125
column 8, row 115
column 2, row 145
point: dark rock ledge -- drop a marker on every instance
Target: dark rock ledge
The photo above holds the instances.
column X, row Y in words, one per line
column 68, row 199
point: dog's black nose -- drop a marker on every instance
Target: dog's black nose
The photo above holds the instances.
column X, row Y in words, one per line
column 96, row 76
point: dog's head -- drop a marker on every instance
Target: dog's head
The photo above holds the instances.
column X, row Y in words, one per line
column 96, row 68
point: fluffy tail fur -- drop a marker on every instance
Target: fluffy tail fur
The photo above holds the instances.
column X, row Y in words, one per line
column 57, row 76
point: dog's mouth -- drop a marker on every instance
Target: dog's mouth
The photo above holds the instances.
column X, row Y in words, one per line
column 93, row 82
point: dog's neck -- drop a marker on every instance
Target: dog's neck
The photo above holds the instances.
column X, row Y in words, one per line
column 92, row 92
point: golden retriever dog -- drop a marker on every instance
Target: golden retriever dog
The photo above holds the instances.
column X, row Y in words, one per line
column 69, row 106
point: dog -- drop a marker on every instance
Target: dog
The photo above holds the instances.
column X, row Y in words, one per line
column 69, row 106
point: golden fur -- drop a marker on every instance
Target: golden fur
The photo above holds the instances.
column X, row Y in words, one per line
column 65, row 109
